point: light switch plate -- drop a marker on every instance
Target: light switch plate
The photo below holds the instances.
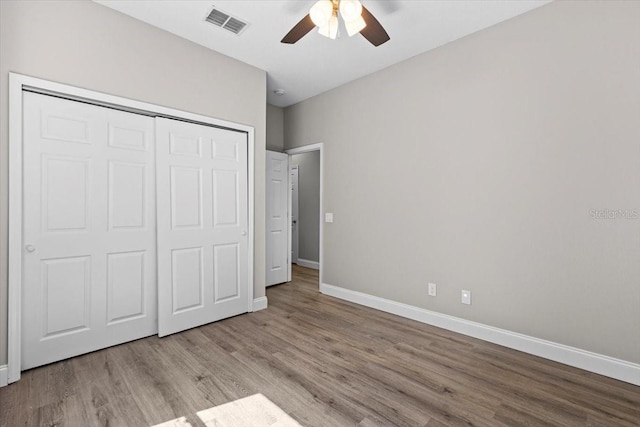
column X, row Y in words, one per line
column 328, row 217
column 433, row 289
column 466, row 297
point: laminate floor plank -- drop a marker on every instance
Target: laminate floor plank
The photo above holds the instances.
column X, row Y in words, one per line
column 564, row 380
column 17, row 405
column 150, row 389
column 333, row 394
column 287, row 390
column 341, row 354
column 325, row 362
column 111, row 400
column 582, row 392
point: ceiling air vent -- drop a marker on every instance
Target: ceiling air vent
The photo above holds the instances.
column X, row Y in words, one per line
column 226, row 21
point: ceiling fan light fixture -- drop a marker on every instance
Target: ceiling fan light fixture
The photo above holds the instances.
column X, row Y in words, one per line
column 321, row 13
column 330, row 29
column 324, row 16
column 350, row 10
column 355, row 26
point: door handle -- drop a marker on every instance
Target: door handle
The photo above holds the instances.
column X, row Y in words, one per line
column 243, row 233
column 30, row 248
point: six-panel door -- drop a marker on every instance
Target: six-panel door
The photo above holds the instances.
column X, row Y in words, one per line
column 277, row 218
column 202, row 224
column 89, row 277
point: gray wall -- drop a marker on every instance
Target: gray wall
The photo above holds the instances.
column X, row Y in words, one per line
column 275, row 128
column 308, row 204
column 85, row 44
column 477, row 165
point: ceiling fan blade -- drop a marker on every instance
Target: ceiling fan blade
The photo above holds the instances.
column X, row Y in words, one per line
column 299, row 30
column 373, row 31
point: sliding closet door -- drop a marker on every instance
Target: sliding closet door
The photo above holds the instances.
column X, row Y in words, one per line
column 202, row 224
column 89, row 278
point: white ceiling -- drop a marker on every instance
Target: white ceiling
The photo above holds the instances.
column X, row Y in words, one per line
column 316, row 64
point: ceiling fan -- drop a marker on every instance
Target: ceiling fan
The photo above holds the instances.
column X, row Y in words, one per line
column 324, row 15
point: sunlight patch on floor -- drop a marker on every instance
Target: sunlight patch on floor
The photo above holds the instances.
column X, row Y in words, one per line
column 255, row 411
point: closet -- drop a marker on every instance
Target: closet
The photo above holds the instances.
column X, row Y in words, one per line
column 132, row 225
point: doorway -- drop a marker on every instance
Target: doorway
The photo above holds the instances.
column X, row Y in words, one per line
column 306, row 166
column 294, row 226
column 305, row 209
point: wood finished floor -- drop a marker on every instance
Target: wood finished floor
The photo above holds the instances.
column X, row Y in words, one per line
column 326, row 363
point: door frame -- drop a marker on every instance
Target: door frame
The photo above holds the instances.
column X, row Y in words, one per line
column 19, row 83
column 290, row 197
column 307, row 149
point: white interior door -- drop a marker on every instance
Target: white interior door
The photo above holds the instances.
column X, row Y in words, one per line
column 202, row 224
column 294, row 214
column 89, row 278
column 277, row 218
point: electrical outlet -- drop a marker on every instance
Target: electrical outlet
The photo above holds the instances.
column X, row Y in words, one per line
column 433, row 288
column 466, row 297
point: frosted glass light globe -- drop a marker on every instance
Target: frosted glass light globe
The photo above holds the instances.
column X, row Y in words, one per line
column 321, row 12
column 350, row 10
column 330, row 29
column 355, row 26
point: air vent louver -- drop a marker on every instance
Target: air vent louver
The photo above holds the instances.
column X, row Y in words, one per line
column 226, row 21
column 234, row 25
column 217, row 18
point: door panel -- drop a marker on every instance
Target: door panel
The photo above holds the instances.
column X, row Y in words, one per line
column 127, row 136
column 225, row 198
column 64, row 193
column 127, row 195
column 186, row 197
column 125, row 285
column 226, row 265
column 202, row 224
column 187, row 281
column 89, row 228
column 66, row 288
column 277, row 218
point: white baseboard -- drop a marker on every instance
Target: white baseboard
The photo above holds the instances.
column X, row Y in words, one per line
column 309, row 264
column 4, row 375
column 593, row 362
column 259, row 304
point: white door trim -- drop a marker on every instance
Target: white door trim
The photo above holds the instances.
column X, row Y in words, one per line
column 18, row 83
column 289, row 220
column 293, row 243
column 306, row 149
